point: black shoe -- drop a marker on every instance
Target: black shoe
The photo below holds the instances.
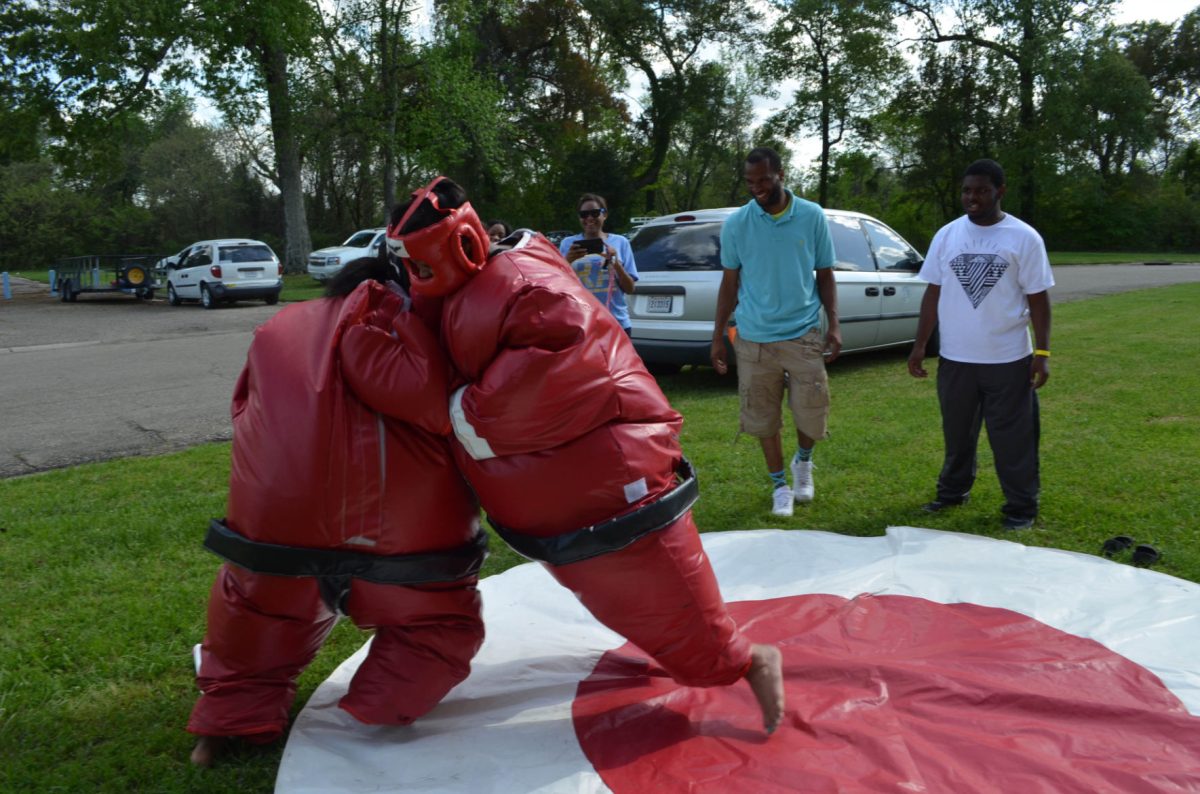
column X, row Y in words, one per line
column 938, row 505
column 1017, row 522
column 1145, row 555
column 1115, row 545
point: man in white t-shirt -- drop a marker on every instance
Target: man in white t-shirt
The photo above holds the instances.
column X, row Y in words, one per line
column 988, row 274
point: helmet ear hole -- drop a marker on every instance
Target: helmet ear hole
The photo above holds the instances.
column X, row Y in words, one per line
column 479, row 248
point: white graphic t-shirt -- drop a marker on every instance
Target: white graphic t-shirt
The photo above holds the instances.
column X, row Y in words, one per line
column 985, row 272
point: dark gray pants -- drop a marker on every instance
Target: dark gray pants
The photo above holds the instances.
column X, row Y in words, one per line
column 998, row 395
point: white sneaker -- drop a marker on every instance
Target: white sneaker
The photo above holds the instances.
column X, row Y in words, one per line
column 783, row 501
column 802, row 480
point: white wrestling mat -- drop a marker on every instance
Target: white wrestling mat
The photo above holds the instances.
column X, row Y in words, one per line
column 509, row 728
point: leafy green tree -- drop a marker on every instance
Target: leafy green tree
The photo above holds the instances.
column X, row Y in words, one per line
column 664, row 41
column 946, row 114
column 1099, row 106
column 703, row 167
column 247, row 51
column 844, row 58
column 1025, row 35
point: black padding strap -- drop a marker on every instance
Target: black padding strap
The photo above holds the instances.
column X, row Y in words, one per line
column 278, row 560
column 611, row 535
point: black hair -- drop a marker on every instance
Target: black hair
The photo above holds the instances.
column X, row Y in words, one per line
column 761, row 153
column 586, row 197
column 501, row 224
column 988, row 168
column 450, row 195
column 367, row 268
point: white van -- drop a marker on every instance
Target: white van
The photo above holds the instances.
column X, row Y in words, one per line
column 224, row 271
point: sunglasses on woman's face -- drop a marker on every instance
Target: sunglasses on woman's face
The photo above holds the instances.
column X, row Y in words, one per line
column 590, row 213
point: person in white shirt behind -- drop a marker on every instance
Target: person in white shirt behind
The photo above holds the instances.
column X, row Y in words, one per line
column 988, row 275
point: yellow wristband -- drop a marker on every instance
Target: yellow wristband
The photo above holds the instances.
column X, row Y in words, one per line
column 1042, row 353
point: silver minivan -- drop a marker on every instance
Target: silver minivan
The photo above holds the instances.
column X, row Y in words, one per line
column 678, row 259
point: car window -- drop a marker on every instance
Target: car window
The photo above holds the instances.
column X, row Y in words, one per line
column 892, row 251
column 198, row 258
column 678, row 246
column 246, row 253
column 360, row 240
column 850, row 248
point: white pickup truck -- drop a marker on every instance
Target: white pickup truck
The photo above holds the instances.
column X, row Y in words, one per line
column 323, row 264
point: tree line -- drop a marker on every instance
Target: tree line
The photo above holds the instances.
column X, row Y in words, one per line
column 319, row 114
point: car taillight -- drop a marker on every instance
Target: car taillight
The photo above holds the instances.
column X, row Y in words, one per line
column 215, row 270
column 279, row 269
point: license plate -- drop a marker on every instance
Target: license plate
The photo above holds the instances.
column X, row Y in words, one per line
column 659, row 304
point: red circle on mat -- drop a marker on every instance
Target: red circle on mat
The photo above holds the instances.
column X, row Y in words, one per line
column 895, row 694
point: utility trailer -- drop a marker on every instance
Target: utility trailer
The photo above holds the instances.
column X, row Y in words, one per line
column 132, row 274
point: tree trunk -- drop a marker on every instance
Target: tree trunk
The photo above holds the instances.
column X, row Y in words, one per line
column 1027, row 122
column 297, row 243
column 823, row 177
column 388, row 79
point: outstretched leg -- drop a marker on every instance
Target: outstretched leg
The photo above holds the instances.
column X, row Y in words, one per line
column 765, row 677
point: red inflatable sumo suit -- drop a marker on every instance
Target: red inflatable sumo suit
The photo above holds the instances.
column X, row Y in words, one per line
column 570, row 445
column 335, row 506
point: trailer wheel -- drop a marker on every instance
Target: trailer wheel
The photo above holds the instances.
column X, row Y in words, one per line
column 69, row 293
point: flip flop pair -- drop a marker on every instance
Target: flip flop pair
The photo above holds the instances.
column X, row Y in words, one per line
column 1143, row 556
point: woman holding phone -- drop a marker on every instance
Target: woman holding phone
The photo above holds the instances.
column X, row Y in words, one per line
column 603, row 261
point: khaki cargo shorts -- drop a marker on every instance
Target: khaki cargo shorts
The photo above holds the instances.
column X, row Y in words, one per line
column 765, row 369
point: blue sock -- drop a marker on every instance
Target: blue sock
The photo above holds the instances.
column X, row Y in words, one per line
column 802, row 454
column 778, row 479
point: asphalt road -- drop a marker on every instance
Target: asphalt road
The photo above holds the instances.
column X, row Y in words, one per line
column 110, row 376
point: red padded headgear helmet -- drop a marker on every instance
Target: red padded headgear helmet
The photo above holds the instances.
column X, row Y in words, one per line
column 440, row 245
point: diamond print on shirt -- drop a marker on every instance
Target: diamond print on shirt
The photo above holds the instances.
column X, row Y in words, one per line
column 978, row 273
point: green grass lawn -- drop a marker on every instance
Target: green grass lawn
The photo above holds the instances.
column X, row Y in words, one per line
column 105, row 582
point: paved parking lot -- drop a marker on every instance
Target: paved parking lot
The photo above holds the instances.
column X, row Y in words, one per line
column 111, row 376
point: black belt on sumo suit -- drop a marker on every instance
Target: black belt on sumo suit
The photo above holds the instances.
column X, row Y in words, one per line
column 401, row 569
column 613, row 534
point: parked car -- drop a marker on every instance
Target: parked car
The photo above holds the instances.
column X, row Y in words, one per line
column 216, row 271
column 678, row 260
column 324, row 263
column 160, row 267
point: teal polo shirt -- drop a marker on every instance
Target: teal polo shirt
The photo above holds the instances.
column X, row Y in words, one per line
column 778, row 259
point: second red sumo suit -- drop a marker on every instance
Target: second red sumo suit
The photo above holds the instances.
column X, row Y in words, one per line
column 561, row 431
column 324, row 482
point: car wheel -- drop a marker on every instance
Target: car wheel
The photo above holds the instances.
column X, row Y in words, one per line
column 271, row 301
column 206, row 297
column 173, row 296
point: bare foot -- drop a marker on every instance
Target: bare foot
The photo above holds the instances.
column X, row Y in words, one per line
column 208, row 749
column 765, row 677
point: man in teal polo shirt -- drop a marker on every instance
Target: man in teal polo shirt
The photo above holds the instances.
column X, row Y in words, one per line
column 778, row 259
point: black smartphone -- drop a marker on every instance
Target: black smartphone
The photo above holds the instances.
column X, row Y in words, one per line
column 593, row 245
